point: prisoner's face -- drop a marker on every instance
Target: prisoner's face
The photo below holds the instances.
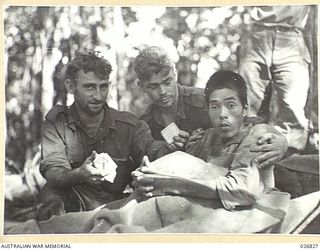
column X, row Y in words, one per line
column 226, row 112
column 161, row 88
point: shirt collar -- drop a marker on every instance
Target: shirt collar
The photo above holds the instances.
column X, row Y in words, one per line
column 107, row 122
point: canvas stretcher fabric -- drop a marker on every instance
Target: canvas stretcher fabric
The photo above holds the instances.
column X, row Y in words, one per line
column 169, row 213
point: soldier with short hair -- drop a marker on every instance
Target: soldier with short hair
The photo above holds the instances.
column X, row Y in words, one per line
column 171, row 102
column 73, row 136
column 186, row 106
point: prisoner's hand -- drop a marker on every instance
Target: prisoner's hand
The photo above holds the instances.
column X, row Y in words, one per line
column 150, row 183
column 88, row 172
column 180, row 141
column 273, row 147
column 195, row 137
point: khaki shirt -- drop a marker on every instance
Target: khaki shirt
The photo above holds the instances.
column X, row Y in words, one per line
column 65, row 144
column 244, row 183
column 192, row 112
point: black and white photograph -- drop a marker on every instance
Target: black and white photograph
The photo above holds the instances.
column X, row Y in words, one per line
column 161, row 119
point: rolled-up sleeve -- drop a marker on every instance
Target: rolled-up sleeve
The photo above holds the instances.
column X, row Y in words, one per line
column 53, row 149
column 245, row 182
column 240, row 187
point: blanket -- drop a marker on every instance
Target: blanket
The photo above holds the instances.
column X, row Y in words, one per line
column 176, row 214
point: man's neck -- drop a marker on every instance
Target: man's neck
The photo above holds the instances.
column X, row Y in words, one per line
column 90, row 122
column 169, row 114
column 242, row 130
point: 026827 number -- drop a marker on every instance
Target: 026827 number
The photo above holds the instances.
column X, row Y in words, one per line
column 309, row 246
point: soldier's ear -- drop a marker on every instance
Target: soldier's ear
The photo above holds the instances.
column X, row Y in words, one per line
column 245, row 110
column 174, row 70
column 70, row 86
column 138, row 83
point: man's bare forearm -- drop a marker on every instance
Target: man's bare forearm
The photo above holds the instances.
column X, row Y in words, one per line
column 199, row 188
column 61, row 178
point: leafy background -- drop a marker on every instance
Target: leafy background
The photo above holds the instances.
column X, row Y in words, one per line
column 40, row 41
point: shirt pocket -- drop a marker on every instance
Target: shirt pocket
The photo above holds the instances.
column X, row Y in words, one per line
column 119, row 146
column 75, row 155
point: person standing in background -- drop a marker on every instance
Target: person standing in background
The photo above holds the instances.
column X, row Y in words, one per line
column 275, row 51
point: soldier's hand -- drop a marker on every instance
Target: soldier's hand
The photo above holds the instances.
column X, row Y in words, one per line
column 195, row 136
column 273, row 147
column 180, row 141
column 88, row 172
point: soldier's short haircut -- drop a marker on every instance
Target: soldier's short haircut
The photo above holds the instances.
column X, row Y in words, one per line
column 88, row 62
column 152, row 60
column 230, row 80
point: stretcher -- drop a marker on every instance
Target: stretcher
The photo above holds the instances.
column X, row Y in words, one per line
column 300, row 213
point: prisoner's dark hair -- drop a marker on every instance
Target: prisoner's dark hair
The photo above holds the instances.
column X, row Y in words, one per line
column 88, row 62
column 227, row 79
column 152, row 60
